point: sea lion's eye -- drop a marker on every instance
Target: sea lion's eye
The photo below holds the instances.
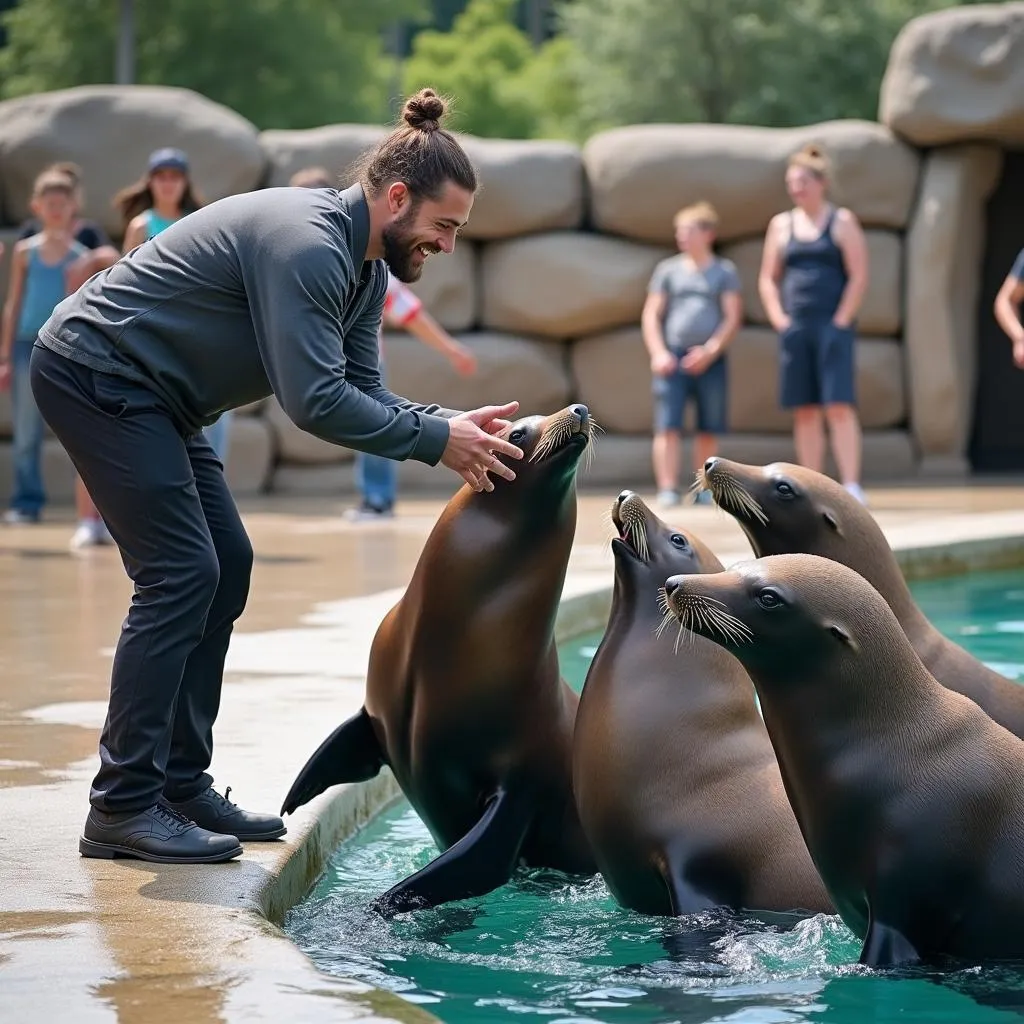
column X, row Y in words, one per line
column 679, row 540
column 784, row 490
column 519, row 434
column 769, row 599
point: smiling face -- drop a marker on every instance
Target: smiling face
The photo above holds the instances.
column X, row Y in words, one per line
column 422, row 227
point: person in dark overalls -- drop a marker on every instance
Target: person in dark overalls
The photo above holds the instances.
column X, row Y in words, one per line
column 278, row 291
column 814, row 272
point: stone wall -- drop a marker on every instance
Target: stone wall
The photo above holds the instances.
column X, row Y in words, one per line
column 549, row 279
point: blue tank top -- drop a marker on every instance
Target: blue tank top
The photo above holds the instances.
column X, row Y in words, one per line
column 155, row 223
column 813, row 274
column 45, row 286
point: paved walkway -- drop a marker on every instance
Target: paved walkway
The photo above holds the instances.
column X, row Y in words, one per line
column 122, row 941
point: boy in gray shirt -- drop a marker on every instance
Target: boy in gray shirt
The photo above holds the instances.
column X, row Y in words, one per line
column 279, row 291
column 692, row 312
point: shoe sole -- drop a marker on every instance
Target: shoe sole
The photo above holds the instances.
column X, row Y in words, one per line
column 106, row 851
column 261, row 837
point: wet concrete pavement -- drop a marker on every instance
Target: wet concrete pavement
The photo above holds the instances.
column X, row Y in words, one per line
column 123, row 941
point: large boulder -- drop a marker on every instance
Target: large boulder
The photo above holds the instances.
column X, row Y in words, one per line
column 944, row 250
column 110, row 130
column 882, row 309
column 564, row 283
column 335, row 147
column 613, row 377
column 448, row 287
column 958, row 76
column 250, row 460
column 640, row 175
column 509, row 368
column 525, row 186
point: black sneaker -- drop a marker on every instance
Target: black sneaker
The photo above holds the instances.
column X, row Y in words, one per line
column 217, row 813
column 157, row 834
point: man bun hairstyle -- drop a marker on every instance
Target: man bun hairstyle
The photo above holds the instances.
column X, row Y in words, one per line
column 419, row 152
column 812, row 158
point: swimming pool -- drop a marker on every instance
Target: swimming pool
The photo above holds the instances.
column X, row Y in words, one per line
column 564, row 952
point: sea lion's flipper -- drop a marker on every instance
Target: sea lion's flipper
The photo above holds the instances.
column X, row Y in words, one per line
column 478, row 863
column 350, row 754
column 887, row 947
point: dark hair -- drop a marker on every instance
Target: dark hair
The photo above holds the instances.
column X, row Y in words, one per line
column 137, row 198
column 419, row 153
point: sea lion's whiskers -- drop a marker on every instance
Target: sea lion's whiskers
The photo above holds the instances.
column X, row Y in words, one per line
column 669, row 616
column 735, row 496
column 608, row 522
column 663, row 605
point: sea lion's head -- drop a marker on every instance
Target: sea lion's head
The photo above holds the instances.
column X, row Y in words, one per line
column 786, row 509
column 788, row 617
column 647, row 550
column 552, row 447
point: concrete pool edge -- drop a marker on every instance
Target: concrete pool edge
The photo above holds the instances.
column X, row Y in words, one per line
column 957, row 545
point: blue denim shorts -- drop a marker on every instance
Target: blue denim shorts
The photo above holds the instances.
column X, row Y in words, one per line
column 816, row 364
column 709, row 390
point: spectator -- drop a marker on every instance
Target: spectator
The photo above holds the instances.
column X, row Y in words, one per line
column 814, row 272
column 1007, row 308
column 38, row 282
column 101, row 254
column 162, row 196
column 693, row 310
column 376, row 476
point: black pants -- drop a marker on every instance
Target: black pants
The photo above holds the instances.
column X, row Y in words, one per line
column 167, row 505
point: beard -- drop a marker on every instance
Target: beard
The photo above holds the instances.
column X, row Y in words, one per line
column 399, row 248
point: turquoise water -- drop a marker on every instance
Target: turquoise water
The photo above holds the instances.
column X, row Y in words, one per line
column 552, row 949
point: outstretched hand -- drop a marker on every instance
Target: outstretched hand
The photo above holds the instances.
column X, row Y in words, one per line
column 472, row 444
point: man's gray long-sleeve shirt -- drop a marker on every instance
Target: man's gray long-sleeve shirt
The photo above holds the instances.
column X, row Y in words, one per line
column 260, row 293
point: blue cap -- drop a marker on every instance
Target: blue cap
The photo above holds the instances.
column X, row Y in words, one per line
column 168, row 157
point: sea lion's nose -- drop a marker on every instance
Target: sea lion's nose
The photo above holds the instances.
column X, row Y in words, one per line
column 624, row 495
column 710, row 464
column 671, row 585
column 583, row 413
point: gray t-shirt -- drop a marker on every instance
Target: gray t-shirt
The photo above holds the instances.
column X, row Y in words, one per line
column 262, row 293
column 693, row 311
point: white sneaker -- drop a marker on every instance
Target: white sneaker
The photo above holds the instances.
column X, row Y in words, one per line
column 90, row 533
column 668, row 499
column 857, row 492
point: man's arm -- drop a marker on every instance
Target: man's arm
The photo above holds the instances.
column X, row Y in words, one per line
column 327, row 384
column 362, row 349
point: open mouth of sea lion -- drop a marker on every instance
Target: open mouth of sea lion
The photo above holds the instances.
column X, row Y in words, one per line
column 722, row 479
column 571, row 430
column 699, row 613
column 629, row 517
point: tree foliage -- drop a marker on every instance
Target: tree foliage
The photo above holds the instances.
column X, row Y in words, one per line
column 765, row 62
column 281, row 63
column 485, row 62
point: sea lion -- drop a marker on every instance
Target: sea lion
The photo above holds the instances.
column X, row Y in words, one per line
column 464, row 700
column 909, row 796
column 675, row 778
column 786, row 509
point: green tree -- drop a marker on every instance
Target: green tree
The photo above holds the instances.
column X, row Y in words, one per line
column 280, row 63
column 768, row 62
column 480, row 63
